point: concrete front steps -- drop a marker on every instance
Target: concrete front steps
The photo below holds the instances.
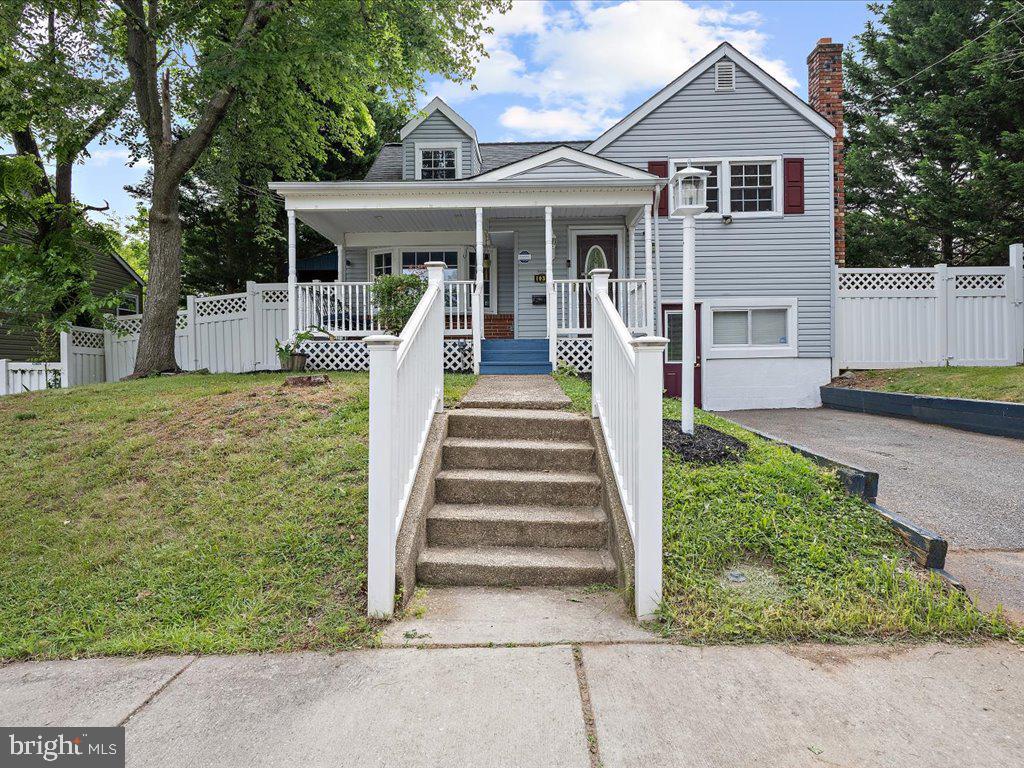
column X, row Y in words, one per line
column 514, row 356
column 517, row 502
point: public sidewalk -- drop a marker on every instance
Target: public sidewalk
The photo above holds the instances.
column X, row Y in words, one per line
column 622, row 699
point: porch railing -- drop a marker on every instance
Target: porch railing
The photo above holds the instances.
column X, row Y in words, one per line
column 406, row 390
column 348, row 309
column 574, row 308
column 627, row 386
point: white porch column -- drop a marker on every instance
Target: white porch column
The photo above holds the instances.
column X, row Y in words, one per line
column 649, row 268
column 549, row 278
column 478, row 303
column 689, row 322
column 341, row 260
column 630, row 233
column 656, row 313
column 293, row 304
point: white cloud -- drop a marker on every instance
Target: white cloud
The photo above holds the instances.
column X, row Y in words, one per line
column 101, row 156
column 574, row 67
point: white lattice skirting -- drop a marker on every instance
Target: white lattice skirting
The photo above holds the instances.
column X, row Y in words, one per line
column 577, row 354
column 353, row 355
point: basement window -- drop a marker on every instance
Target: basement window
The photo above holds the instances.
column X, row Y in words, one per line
column 753, row 327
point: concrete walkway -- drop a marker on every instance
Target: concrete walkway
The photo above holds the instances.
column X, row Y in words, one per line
column 609, row 704
column 964, row 485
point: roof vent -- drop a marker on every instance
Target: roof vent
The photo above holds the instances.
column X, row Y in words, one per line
column 725, row 76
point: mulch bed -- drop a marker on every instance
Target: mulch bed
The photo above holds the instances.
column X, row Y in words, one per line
column 704, row 446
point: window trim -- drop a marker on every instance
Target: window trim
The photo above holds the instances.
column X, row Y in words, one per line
column 463, row 257
column 128, row 296
column 725, row 186
column 419, row 146
column 734, row 303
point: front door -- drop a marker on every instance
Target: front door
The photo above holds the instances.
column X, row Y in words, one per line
column 672, row 322
column 594, row 252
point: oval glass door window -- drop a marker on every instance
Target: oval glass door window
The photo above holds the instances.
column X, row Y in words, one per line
column 595, row 260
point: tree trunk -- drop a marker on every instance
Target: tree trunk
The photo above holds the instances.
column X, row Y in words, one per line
column 156, row 340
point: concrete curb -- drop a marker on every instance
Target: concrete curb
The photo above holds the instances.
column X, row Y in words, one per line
column 989, row 417
column 927, row 547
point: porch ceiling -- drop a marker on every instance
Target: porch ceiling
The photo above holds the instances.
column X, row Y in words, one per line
column 336, row 224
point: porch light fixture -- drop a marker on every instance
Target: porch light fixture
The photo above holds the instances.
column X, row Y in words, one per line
column 689, row 191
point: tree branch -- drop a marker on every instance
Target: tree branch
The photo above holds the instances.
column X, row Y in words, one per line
column 25, row 144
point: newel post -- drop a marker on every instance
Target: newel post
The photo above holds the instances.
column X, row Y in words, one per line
column 647, row 506
column 435, row 282
column 383, row 506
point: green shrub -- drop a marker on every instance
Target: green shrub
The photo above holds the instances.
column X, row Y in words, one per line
column 396, row 297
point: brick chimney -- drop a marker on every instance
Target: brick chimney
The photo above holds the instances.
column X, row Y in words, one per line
column 825, row 95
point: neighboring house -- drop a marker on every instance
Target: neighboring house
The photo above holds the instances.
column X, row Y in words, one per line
column 542, row 214
column 113, row 275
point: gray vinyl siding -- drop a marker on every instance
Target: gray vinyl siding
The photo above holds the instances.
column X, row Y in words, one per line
column 563, row 170
column 531, row 320
column 506, row 281
column 770, row 257
column 357, row 272
column 111, row 277
column 437, row 127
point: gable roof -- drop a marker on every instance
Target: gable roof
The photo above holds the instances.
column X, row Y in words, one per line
column 388, row 164
column 437, row 105
column 600, row 165
column 723, row 51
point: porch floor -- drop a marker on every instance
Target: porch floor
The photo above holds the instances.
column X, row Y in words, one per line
column 532, row 392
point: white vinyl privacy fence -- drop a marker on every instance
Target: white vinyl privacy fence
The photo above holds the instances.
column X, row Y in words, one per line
column 905, row 318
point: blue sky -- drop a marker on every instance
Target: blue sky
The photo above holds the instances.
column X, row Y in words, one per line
column 566, row 69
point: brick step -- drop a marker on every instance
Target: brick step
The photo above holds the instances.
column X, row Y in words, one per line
column 479, row 453
column 524, row 423
column 507, row 486
column 469, row 525
column 519, row 566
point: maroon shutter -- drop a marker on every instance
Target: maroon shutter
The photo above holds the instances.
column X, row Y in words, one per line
column 660, row 168
column 793, row 184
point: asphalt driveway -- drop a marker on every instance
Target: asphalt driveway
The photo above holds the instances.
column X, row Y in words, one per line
column 966, row 486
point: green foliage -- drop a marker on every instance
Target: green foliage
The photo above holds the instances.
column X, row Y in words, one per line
column 396, row 297
column 185, row 514
column 287, row 349
column 46, row 272
column 825, row 565
column 935, row 134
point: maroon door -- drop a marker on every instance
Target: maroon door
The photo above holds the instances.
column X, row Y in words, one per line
column 609, row 245
column 672, row 322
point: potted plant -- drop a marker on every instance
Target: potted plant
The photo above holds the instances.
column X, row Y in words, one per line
column 288, row 353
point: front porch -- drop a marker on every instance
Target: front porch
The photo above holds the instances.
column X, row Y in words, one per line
column 516, row 259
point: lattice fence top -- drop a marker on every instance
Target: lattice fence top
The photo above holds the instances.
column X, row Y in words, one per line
column 576, row 353
column 181, row 322
column 895, row 282
column 129, row 325
column 275, row 296
column 87, row 338
column 988, row 282
column 221, row 305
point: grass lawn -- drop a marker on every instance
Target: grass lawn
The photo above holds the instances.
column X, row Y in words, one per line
column 185, row 514
column 972, row 383
column 819, row 565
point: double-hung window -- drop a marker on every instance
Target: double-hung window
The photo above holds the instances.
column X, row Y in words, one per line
column 438, row 162
column 752, row 187
column 754, row 327
column 739, row 187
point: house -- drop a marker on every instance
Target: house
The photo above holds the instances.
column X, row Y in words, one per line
column 113, row 276
column 520, row 226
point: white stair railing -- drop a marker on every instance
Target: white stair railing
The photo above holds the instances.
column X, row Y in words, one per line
column 573, row 310
column 406, row 390
column 626, row 399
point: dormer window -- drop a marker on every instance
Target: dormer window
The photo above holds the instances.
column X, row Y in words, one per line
column 438, row 162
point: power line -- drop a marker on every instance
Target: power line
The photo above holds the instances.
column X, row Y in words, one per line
column 1008, row 17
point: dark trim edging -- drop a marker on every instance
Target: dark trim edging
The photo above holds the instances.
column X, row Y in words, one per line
column 989, row 417
column 927, row 547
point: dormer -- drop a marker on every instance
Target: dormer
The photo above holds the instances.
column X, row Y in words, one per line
column 439, row 145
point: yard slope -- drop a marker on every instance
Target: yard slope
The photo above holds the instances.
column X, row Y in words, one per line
column 1003, row 383
column 207, row 514
column 771, row 548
